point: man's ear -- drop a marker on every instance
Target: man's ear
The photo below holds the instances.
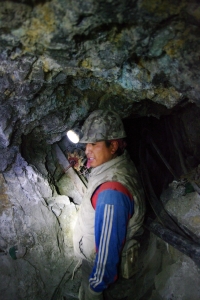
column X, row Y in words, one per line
column 114, row 146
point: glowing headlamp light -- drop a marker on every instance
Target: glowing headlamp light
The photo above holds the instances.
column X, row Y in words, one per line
column 74, row 135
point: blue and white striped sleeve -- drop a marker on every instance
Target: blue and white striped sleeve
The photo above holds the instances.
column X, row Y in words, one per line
column 113, row 211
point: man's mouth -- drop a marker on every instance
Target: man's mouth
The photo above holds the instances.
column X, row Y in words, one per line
column 89, row 161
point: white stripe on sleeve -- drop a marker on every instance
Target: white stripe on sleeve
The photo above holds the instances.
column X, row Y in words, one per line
column 104, row 245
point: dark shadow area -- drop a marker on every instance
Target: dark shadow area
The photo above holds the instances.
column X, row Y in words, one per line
column 171, row 145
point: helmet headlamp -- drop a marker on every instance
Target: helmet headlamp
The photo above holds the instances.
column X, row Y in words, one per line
column 74, row 135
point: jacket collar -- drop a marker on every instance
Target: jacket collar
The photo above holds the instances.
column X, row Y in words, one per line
column 98, row 170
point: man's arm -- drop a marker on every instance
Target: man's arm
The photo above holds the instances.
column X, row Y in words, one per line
column 114, row 207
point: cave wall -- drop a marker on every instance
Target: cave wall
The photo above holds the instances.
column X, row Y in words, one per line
column 60, row 60
column 36, row 244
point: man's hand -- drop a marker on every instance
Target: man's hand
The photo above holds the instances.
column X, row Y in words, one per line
column 88, row 294
column 92, row 295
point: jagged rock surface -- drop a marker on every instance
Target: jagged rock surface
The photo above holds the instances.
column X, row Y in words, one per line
column 60, row 59
column 29, row 221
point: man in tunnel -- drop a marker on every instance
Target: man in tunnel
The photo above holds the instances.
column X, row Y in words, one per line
column 112, row 211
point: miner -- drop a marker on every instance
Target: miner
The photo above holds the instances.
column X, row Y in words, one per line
column 112, row 211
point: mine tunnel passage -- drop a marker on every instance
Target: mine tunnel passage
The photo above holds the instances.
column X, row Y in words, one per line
column 164, row 150
column 167, row 146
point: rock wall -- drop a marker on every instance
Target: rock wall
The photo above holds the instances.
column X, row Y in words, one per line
column 36, row 243
column 61, row 59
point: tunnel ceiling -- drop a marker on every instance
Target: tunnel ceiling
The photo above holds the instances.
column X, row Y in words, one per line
column 61, row 59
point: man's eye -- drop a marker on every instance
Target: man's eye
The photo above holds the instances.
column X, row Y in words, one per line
column 93, row 144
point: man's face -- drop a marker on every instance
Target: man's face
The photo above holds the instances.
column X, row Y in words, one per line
column 98, row 153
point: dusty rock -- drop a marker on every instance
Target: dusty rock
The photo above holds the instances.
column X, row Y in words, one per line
column 43, row 243
column 59, row 61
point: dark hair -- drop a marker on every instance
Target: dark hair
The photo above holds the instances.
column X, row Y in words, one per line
column 121, row 147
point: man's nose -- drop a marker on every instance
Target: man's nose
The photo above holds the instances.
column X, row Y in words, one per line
column 87, row 148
